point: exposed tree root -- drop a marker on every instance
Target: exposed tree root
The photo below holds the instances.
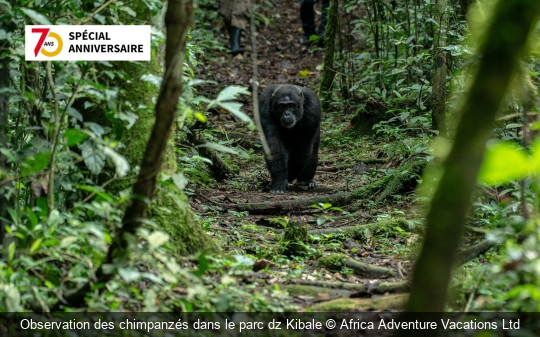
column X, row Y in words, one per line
column 338, row 261
column 473, row 252
column 355, row 287
column 376, row 288
column 390, row 302
column 389, row 287
column 358, row 232
column 404, row 179
column 298, row 205
column 314, row 291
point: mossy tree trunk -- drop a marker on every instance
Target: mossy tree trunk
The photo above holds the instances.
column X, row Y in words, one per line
column 4, row 112
column 438, row 87
column 325, row 90
column 170, row 208
column 179, row 19
column 501, row 52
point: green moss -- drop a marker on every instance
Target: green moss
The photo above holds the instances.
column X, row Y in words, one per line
column 295, row 239
column 361, row 232
column 404, row 179
column 333, row 262
column 170, row 210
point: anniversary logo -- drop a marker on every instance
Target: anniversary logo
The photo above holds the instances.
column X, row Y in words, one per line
column 87, row 43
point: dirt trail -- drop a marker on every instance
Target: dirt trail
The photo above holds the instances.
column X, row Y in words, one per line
column 281, row 59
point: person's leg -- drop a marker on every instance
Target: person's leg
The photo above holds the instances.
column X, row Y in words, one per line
column 307, row 15
column 324, row 18
column 239, row 17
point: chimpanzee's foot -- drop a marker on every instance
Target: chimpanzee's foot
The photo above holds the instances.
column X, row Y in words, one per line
column 310, row 184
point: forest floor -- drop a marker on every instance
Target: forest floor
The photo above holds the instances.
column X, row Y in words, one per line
column 239, row 230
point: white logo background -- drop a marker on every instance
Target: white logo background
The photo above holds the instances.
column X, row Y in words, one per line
column 119, row 35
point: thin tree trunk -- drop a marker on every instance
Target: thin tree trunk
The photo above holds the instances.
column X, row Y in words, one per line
column 4, row 112
column 438, row 88
column 330, row 45
column 178, row 20
column 501, row 53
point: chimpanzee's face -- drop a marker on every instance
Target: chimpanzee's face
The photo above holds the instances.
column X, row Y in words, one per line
column 289, row 109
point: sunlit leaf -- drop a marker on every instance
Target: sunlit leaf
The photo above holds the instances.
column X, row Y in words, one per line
column 120, row 162
column 231, row 92
column 200, row 116
column 157, row 239
column 234, row 108
column 503, row 162
column 226, row 149
column 35, row 245
column 37, row 17
column 129, row 275
column 180, row 180
column 67, row 241
column 11, row 251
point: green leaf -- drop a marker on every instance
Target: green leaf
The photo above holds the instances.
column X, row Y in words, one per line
column 157, row 239
column 94, row 159
column 234, row 108
column 223, row 148
column 120, row 162
column 503, row 162
column 150, row 301
column 231, row 92
column 203, row 265
column 74, row 136
column 37, row 17
column 180, row 180
column 129, row 275
column 11, row 251
column 8, row 154
column 67, row 241
column 36, row 163
column 35, row 245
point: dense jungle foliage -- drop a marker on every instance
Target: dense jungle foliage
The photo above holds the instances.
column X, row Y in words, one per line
column 73, row 134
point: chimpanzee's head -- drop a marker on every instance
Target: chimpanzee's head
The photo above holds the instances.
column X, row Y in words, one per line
column 287, row 105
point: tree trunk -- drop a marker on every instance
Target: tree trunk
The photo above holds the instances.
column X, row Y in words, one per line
column 4, row 112
column 178, row 19
column 465, row 4
column 438, row 88
column 328, row 74
column 170, row 208
column 501, row 53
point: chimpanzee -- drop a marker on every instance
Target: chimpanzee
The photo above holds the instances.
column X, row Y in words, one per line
column 291, row 118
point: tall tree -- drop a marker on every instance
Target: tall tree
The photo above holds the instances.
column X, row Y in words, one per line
column 501, row 51
column 438, row 83
column 178, row 20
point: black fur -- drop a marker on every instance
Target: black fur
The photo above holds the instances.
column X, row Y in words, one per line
column 291, row 118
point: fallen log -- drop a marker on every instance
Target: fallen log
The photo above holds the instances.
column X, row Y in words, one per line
column 315, row 291
column 336, row 262
column 403, row 180
column 390, row 302
column 358, row 232
column 375, row 288
column 355, row 287
column 473, row 252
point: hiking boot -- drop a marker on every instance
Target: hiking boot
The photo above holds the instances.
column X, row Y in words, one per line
column 305, row 41
column 235, row 35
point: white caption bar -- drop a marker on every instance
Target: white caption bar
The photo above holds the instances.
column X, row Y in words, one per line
column 87, row 43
